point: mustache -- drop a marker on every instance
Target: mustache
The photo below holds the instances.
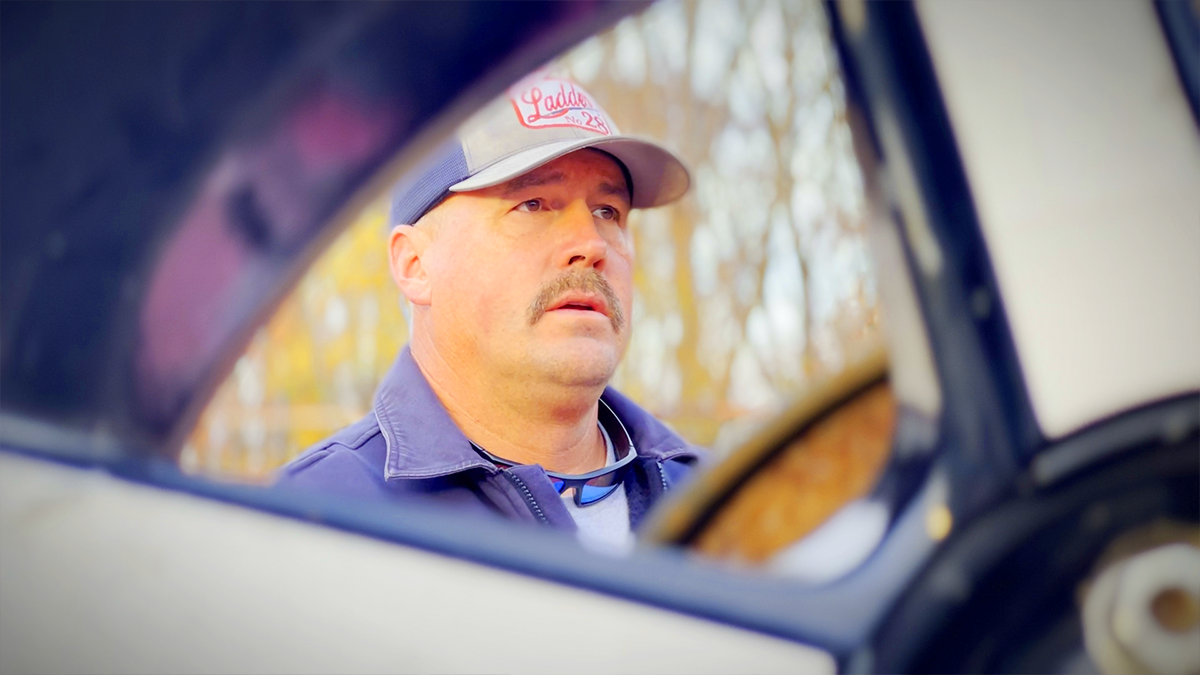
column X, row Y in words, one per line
column 583, row 280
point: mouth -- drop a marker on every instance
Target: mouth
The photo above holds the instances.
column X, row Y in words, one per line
column 579, row 294
column 581, row 303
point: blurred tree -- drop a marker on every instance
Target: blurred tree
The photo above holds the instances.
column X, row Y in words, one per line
column 746, row 290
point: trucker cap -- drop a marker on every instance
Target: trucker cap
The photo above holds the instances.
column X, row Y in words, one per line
column 538, row 120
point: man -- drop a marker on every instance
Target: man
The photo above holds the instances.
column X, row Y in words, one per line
column 514, row 250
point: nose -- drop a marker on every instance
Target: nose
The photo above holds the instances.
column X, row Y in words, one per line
column 585, row 245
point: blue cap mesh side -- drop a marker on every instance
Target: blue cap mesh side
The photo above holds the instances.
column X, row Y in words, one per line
column 421, row 189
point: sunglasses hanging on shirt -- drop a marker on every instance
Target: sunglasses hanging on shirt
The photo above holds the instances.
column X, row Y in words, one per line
column 593, row 486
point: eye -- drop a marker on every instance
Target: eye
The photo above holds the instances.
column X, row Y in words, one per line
column 531, row 205
column 606, row 213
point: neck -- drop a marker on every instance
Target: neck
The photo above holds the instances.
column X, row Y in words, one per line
column 527, row 422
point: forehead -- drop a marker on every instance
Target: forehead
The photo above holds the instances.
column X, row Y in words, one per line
column 587, row 168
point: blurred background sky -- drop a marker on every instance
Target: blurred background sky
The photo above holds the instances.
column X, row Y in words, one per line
column 754, row 286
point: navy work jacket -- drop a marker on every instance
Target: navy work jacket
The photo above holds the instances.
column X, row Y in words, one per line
column 409, row 445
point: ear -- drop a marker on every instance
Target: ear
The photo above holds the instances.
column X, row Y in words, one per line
column 406, row 248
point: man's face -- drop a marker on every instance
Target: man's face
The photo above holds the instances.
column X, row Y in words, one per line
column 533, row 278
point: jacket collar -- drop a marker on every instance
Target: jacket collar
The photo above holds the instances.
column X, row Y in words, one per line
column 652, row 439
column 423, row 441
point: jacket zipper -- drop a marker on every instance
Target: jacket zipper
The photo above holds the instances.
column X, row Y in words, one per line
column 529, row 500
column 662, row 475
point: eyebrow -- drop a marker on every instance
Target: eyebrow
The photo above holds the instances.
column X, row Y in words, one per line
column 615, row 190
column 536, row 179
column 533, row 180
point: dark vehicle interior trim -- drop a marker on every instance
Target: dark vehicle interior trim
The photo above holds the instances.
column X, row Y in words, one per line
column 1181, row 22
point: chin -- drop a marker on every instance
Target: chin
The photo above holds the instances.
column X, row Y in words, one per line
column 579, row 367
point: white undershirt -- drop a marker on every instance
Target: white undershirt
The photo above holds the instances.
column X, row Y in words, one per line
column 605, row 524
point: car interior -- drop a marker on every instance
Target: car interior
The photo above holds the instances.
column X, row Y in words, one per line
column 981, row 457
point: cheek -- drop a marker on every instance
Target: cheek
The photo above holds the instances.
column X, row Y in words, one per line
column 457, row 279
column 620, row 242
column 485, row 292
column 620, row 253
column 620, row 277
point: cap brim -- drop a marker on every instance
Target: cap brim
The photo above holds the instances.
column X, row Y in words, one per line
column 659, row 177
